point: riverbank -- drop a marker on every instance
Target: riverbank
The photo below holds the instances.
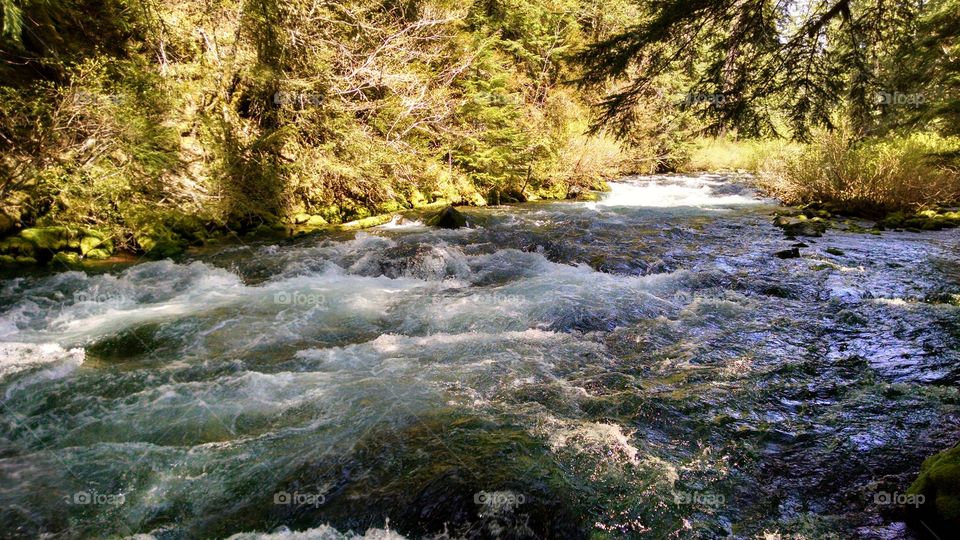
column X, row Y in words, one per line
column 79, row 247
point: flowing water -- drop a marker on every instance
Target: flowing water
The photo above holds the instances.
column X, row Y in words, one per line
column 637, row 367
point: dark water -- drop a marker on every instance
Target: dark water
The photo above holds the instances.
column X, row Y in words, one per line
column 641, row 367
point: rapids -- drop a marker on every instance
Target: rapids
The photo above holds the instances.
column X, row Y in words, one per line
column 637, row 367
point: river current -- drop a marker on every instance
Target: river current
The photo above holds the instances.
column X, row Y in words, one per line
column 637, row 367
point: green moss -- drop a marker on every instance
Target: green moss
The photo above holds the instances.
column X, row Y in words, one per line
column 16, row 245
column 95, row 243
column 51, row 238
column 316, row 221
column 365, row 223
column 67, row 257
column 98, row 254
column 939, row 484
column 801, row 225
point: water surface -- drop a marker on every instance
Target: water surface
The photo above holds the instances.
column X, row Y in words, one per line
column 638, row 367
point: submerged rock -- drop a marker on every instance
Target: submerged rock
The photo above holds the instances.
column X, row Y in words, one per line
column 448, row 218
column 937, row 491
column 792, row 253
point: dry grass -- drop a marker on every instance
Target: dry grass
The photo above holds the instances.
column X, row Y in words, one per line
column 871, row 177
column 723, row 154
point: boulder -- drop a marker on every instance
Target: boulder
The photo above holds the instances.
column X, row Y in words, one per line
column 448, row 218
column 937, row 491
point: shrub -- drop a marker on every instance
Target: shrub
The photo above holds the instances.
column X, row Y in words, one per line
column 869, row 177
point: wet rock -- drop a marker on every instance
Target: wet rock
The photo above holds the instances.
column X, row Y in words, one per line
column 792, row 253
column 925, row 220
column 448, row 218
column 936, row 492
column 835, row 251
column 801, row 225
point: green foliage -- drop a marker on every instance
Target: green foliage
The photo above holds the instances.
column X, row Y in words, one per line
column 782, row 68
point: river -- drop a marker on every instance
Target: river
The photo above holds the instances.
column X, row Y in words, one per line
column 637, row 367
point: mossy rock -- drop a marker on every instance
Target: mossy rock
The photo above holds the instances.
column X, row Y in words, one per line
column 157, row 241
column 52, row 238
column 299, row 219
column 417, row 199
column 925, row 220
column 802, row 225
column 316, row 221
column 365, row 223
column 68, row 258
column 91, row 243
column 98, row 254
column 16, row 245
column 939, row 484
column 330, row 213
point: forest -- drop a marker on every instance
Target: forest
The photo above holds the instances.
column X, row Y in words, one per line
column 154, row 126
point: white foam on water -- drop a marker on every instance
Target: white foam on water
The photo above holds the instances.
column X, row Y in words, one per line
column 17, row 357
column 602, row 439
column 323, row 532
column 399, row 222
column 664, row 192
